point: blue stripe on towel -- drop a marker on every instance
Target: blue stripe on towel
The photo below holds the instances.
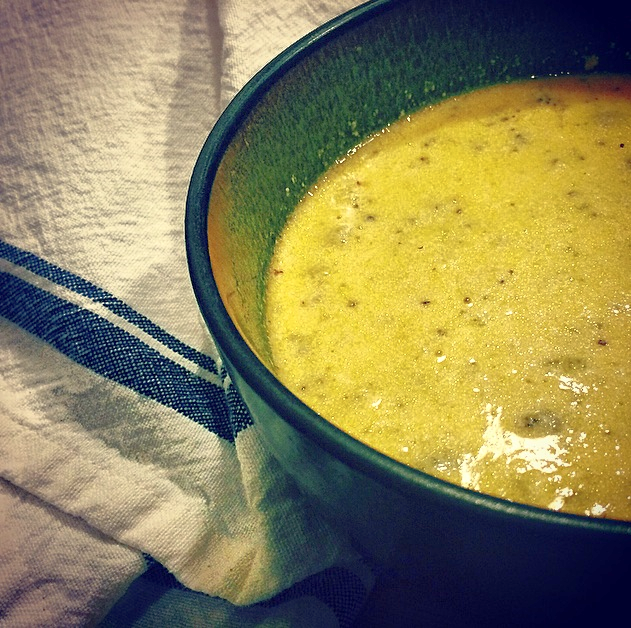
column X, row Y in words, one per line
column 81, row 286
column 110, row 351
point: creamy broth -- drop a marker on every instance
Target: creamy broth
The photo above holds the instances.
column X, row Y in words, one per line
column 456, row 293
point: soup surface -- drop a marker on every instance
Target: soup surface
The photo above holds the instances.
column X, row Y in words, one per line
column 456, row 293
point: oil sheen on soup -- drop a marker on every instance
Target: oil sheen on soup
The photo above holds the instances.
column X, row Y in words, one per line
column 456, row 293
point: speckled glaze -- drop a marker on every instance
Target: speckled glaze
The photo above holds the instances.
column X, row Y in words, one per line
column 500, row 562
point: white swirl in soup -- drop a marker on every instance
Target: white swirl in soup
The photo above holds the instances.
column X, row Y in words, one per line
column 456, row 293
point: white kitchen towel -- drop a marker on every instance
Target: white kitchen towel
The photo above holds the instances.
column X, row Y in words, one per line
column 131, row 475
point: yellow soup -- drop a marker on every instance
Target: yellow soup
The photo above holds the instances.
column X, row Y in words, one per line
column 456, row 293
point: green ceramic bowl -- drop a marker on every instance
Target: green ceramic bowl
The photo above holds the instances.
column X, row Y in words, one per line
column 500, row 561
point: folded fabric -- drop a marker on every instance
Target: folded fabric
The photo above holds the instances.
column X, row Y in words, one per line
column 130, row 471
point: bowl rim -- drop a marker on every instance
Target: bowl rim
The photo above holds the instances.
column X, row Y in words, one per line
column 363, row 458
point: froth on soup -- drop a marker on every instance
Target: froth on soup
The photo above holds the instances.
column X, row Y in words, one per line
column 456, row 293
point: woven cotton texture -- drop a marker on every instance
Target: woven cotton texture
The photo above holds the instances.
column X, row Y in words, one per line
column 134, row 488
